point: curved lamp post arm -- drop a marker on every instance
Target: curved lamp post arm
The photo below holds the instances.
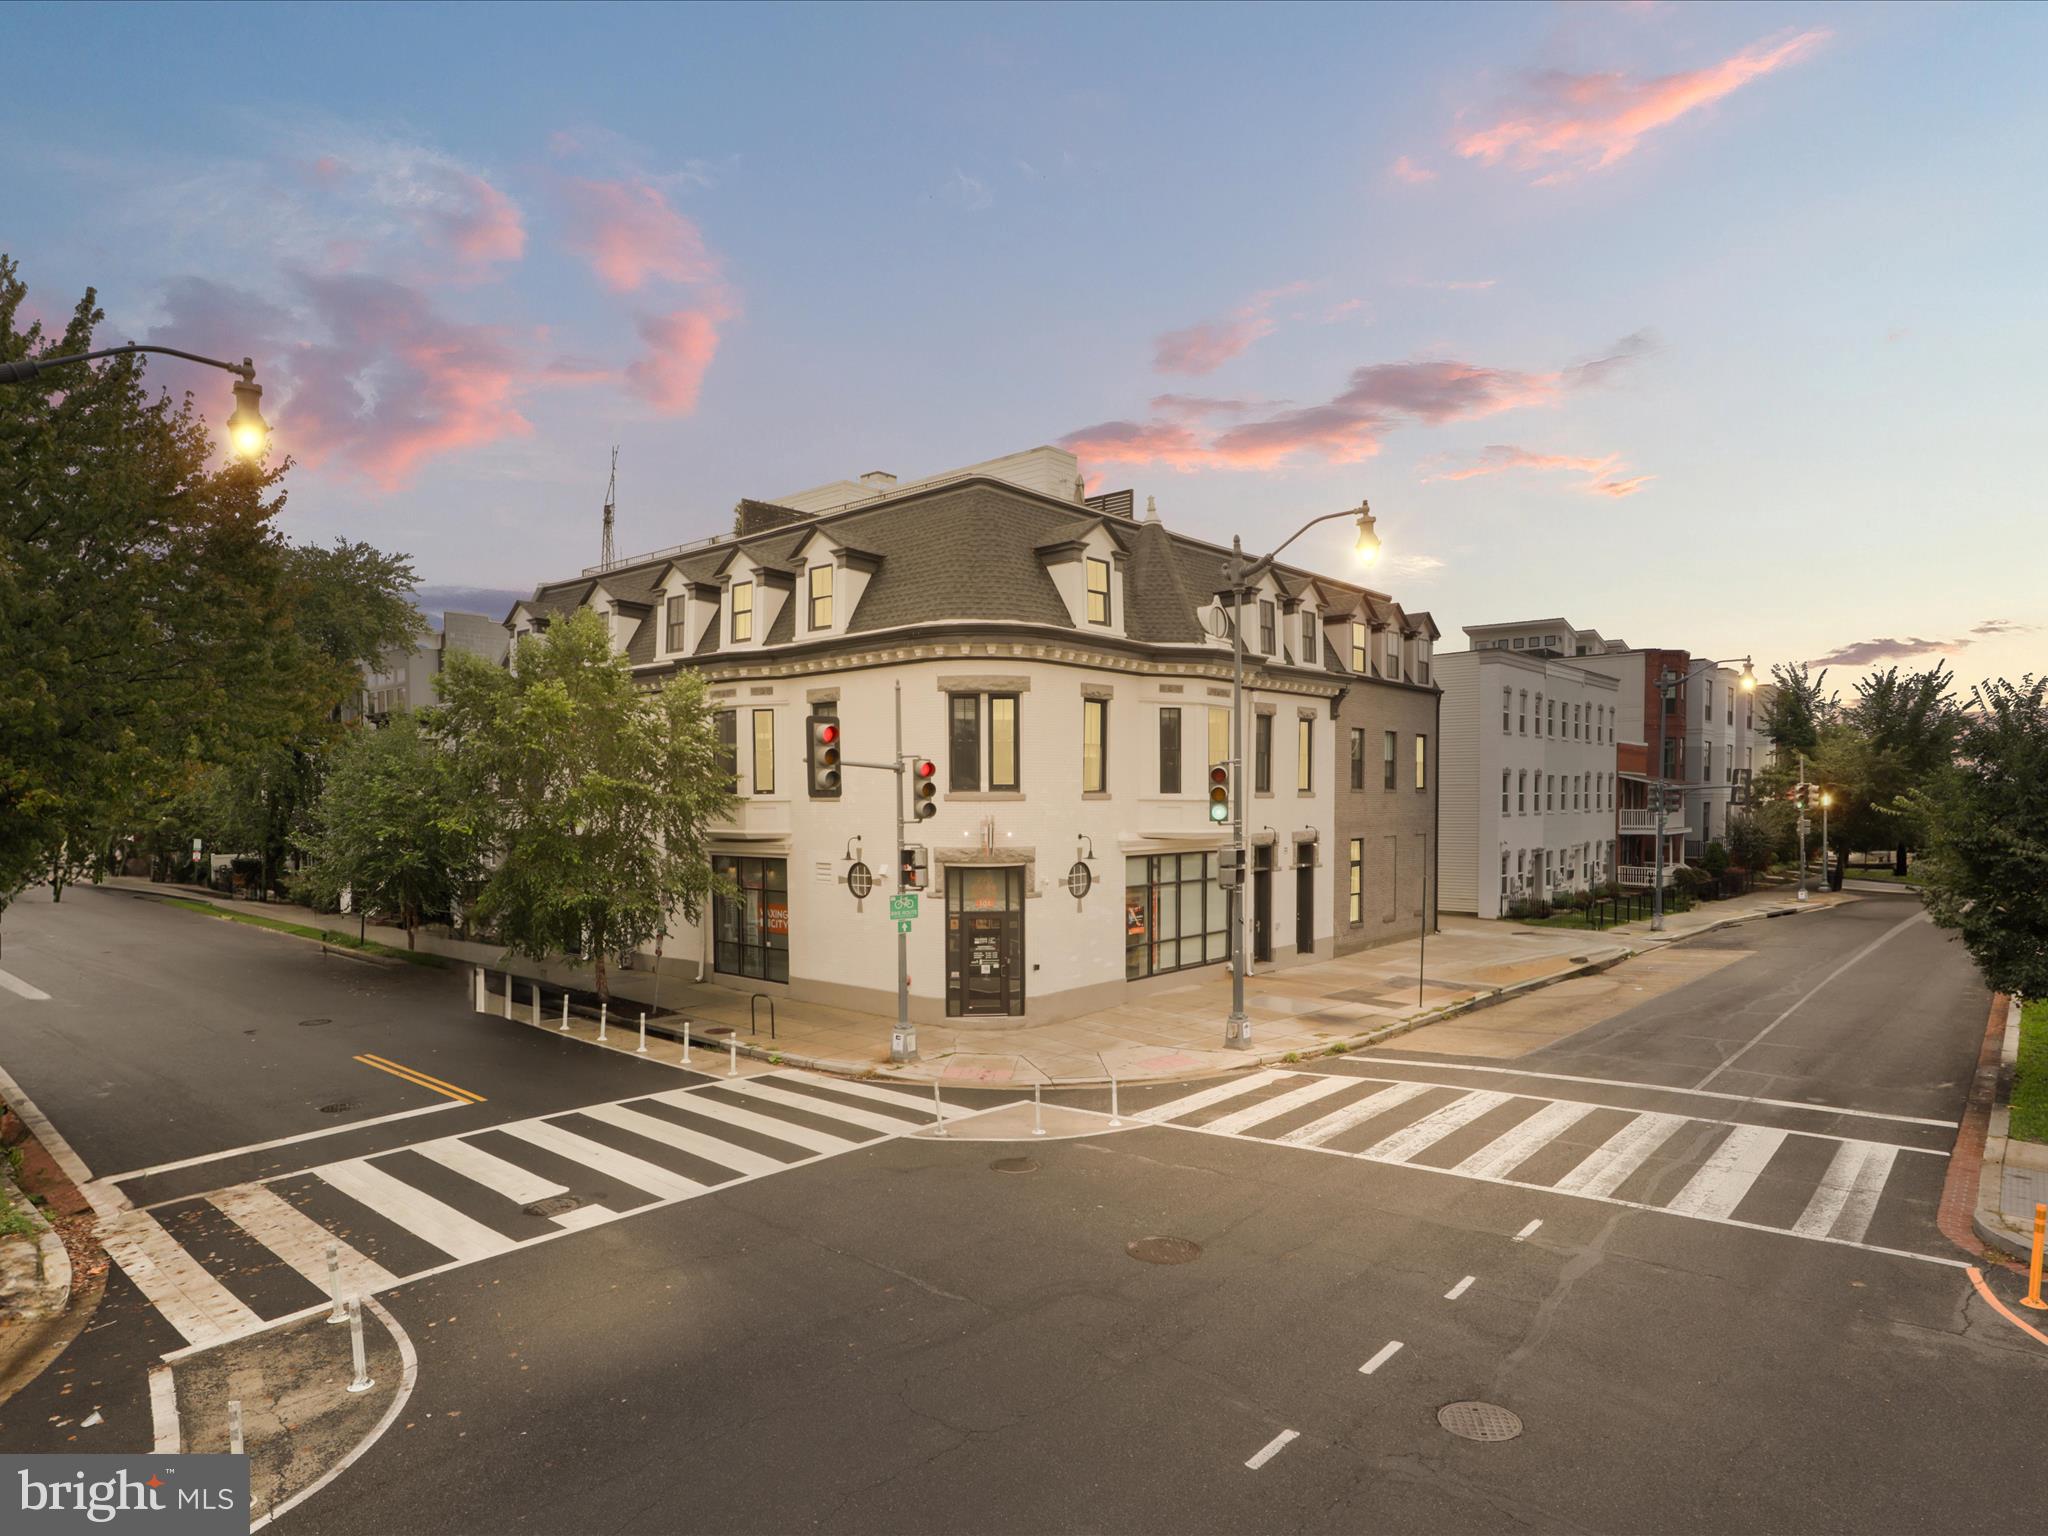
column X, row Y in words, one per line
column 28, row 368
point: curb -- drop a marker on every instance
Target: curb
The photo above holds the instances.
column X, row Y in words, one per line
column 1987, row 1219
column 52, row 1291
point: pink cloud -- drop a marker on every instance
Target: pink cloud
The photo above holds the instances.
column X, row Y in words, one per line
column 1589, row 122
column 1502, row 457
column 1406, row 170
column 680, row 347
column 1206, row 347
column 1462, row 285
column 1620, row 488
column 628, row 233
column 1350, row 426
column 1345, row 308
column 480, row 224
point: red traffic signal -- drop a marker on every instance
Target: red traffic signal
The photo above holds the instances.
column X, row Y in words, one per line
column 924, row 791
column 824, row 757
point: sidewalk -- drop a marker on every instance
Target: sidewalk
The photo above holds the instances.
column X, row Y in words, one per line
column 1324, row 1006
column 2014, row 1175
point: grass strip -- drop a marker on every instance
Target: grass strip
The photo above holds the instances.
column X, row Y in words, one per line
column 2030, row 1077
column 299, row 930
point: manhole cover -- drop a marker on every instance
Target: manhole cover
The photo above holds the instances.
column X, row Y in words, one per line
column 716, row 1029
column 1164, row 1250
column 1580, row 959
column 309, row 1023
column 1014, row 1165
column 338, row 1107
column 554, row 1205
column 1480, row 1421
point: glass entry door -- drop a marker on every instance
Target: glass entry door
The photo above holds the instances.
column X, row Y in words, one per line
column 985, row 940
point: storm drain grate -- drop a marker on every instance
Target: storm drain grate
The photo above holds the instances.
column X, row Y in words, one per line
column 309, row 1023
column 1480, row 1421
column 1164, row 1250
column 338, row 1107
column 554, row 1205
column 1014, row 1165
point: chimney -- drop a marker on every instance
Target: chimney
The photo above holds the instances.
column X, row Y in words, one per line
column 878, row 480
column 1151, row 509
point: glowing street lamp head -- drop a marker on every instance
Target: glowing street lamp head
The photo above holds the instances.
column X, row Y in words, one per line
column 1368, row 541
column 248, row 432
column 1748, row 676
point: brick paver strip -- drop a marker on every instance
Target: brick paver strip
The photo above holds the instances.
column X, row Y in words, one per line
column 1966, row 1161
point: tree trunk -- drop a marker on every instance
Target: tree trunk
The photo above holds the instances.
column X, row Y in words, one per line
column 597, row 945
column 1899, row 861
column 412, row 922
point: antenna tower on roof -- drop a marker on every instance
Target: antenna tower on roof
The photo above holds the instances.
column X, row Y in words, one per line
column 609, row 555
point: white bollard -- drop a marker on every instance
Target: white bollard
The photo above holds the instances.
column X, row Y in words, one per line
column 362, row 1383
column 355, row 1346
column 602, row 1009
column 643, row 1034
column 508, row 994
column 686, row 1042
column 565, row 1013
column 1037, row 1112
column 938, row 1110
column 340, row 1312
column 1114, row 1119
column 234, row 1426
column 536, row 1005
column 734, row 1069
column 476, row 990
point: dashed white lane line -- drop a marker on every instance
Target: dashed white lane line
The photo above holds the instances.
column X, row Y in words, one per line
column 1528, row 1231
column 1272, row 1448
column 1460, row 1288
column 21, row 988
column 1387, row 1352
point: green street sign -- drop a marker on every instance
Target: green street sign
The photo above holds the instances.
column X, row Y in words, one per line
column 903, row 925
column 904, row 906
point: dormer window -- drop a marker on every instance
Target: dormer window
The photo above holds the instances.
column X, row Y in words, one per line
column 1265, row 626
column 820, row 579
column 1308, row 638
column 1359, row 664
column 742, row 611
column 1098, row 591
column 678, row 630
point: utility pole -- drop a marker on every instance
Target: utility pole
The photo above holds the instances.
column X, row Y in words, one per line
column 903, row 1043
column 1802, row 827
column 1666, row 679
column 1237, row 1029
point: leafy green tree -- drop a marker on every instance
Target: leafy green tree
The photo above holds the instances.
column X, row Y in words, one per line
column 1910, row 723
column 386, row 827
column 1985, row 873
column 1796, row 708
column 141, row 597
column 1752, row 842
column 589, row 796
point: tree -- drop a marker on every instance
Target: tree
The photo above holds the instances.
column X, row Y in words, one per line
column 1910, row 723
column 141, row 597
column 386, row 827
column 1985, row 873
column 1796, row 708
column 589, row 796
column 1751, row 842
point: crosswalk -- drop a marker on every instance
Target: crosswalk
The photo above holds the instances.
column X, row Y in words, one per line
column 227, row 1263
column 1835, row 1189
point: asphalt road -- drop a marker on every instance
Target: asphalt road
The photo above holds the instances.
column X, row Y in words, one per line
column 901, row 1337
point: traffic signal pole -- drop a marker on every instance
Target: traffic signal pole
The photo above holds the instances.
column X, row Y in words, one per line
column 903, row 1040
column 1237, row 1029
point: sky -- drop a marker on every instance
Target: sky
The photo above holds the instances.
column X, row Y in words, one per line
column 1710, row 326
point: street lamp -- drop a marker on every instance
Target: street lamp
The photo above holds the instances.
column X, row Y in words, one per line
column 248, row 433
column 1237, row 1029
column 1668, row 683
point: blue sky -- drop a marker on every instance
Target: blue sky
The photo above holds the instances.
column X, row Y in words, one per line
column 1706, row 326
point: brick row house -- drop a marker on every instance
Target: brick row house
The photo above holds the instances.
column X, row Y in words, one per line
column 1066, row 664
column 1592, row 752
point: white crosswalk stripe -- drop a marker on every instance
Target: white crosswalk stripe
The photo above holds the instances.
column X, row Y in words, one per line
column 284, row 1215
column 1713, row 1165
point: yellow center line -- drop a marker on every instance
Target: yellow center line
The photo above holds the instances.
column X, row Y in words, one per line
column 421, row 1080
column 425, row 1077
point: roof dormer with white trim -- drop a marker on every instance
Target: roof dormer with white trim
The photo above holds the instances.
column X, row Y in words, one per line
column 1088, row 571
column 830, row 579
column 754, row 594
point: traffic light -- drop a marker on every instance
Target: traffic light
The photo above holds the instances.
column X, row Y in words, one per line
column 824, row 757
column 916, row 869
column 924, row 789
column 1230, row 868
column 1219, row 792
